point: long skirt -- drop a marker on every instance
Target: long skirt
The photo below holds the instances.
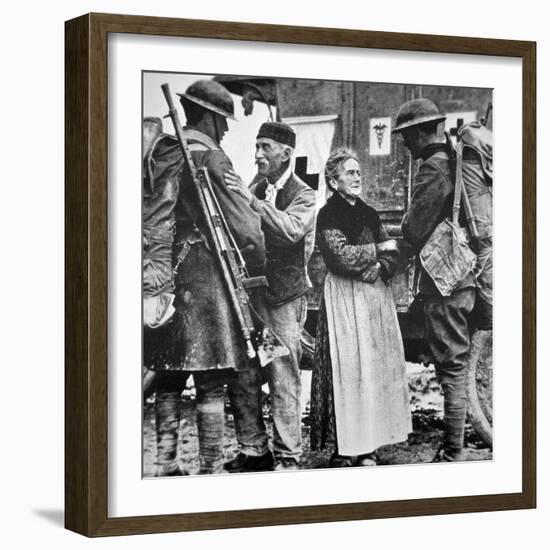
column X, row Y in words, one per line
column 359, row 387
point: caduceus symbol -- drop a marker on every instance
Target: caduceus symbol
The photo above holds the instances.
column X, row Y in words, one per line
column 380, row 129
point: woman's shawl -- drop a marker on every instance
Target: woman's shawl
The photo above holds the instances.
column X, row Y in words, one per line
column 347, row 236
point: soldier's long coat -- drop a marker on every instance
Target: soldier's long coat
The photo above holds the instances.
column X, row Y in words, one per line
column 204, row 334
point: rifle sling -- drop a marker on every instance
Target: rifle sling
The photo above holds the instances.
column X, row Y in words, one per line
column 458, row 184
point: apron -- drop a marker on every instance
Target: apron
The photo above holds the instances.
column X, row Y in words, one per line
column 371, row 401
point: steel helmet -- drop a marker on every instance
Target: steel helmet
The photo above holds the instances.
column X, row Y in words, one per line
column 211, row 95
column 415, row 112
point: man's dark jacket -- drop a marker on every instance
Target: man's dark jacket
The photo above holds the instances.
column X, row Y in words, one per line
column 289, row 229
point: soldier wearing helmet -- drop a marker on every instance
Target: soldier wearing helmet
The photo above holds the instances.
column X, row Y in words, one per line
column 204, row 339
column 208, row 104
column 446, row 317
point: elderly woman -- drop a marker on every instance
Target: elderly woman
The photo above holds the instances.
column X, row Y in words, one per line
column 359, row 397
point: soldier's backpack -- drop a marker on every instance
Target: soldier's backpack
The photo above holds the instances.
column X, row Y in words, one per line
column 159, row 199
column 476, row 144
column 477, row 174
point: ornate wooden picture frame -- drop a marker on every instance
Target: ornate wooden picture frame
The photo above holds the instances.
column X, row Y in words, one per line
column 86, row 280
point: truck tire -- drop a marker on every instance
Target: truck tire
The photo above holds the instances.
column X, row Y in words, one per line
column 479, row 384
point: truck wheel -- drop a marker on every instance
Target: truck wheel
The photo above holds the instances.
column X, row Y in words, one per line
column 479, row 384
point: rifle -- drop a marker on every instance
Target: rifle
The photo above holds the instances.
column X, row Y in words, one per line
column 227, row 254
column 456, row 157
column 485, row 119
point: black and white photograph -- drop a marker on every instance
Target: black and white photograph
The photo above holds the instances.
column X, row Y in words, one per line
column 317, row 276
column 315, row 322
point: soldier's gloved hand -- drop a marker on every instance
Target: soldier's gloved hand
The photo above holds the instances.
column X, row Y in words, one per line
column 371, row 273
column 235, row 183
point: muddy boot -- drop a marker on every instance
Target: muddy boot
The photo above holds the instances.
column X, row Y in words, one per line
column 167, row 417
column 210, row 424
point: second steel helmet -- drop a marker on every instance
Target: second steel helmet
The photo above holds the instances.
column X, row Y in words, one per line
column 211, row 95
column 415, row 112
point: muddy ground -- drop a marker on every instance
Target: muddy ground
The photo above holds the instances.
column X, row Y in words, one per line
column 423, row 442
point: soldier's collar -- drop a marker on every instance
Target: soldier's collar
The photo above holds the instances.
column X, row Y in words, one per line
column 431, row 149
column 195, row 135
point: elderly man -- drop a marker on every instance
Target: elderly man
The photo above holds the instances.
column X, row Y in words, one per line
column 446, row 317
column 205, row 339
column 286, row 206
